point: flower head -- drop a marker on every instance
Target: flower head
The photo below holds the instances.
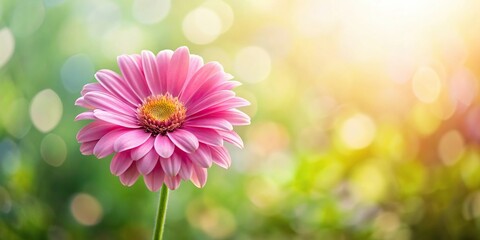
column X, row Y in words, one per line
column 166, row 118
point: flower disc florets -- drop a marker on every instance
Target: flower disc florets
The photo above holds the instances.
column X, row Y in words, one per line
column 161, row 114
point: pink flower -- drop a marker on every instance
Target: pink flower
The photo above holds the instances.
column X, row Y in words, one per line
column 166, row 118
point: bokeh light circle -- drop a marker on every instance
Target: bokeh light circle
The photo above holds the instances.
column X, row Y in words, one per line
column 358, row 131
column 46, row 110
column 252, row 64
column 8, row 45
column 53, row 150
column 451, row 147
column 224, row 12
column 463, row 87
column 15, row 118
column 150, row 11
column 10, row 156
column 27, row 17
column 202, row 26
column 76, row 72
column 426, row 84
column 86, row 209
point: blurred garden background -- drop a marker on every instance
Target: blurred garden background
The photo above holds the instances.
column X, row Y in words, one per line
column 365, row 119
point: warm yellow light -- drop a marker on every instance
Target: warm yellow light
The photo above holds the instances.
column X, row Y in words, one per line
column 372, row 29
column 86, row 209
column 426, row 85
column 358, row 131
column 451, row 147
column 412, row 14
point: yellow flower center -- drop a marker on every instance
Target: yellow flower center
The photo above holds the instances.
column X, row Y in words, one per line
column 161, row 114
column 160, row 109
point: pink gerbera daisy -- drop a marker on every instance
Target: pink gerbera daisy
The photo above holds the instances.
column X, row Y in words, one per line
column 166, row 118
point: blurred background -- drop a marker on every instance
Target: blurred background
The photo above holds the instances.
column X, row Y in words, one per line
column 364, row 114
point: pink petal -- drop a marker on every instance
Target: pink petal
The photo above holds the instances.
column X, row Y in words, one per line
column 228, row 85
column 133, row 75
column 234, row 116
column 137, row 58
column 163, row 60
column 164, row 146
column 94, row 131
column 212, row 123
column 81, row 103
column 152, row 77
column 85, row 116
column 185, row 170
column 117, row 119
column 129, row 177
column 236, row 102
column 221, row 157
column 227, row 105
column 184, row 140
column 207, row 136
column 204, row 73
column 120, row 163
column 143, row 149
column 171, row 165
column 211, row 100
column 108, row 103
column 178, row 70
column 86, row 148
column 154, row 179
column 131, row 139
column 202, row 157
column 92, row 87
column 199, row 176
column 146, row 164
column 196, row 62
column 104, row 146
column 209, row 86
column 232, row 137
column 113, row 83
column 172, row 182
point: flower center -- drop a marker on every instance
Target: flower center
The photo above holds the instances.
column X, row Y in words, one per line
column 161, row 114
column 160, row 109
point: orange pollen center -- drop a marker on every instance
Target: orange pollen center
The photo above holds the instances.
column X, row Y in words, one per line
column 161, row 114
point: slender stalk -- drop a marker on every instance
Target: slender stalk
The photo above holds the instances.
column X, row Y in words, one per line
column 161, row 214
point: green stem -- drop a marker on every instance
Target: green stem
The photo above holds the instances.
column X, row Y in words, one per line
column 161, row 214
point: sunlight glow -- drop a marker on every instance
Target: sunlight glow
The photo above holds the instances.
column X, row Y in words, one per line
column 252, row 64
column 426, row 85
column 358, row 131
column 370, row 29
